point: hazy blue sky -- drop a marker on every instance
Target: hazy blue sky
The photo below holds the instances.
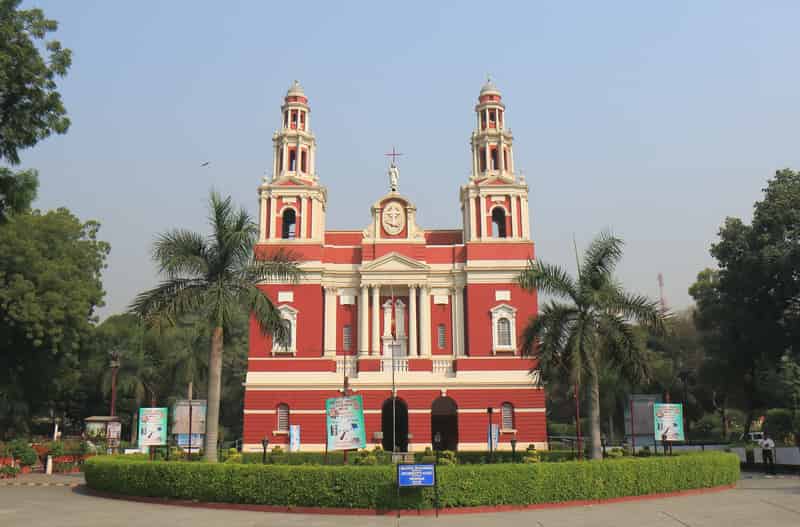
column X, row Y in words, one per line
column 656, row 119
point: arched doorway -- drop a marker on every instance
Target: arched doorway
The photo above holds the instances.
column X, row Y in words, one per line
column 399, row 424
column 444, row 424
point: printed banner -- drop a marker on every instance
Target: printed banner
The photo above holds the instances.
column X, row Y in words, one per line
column 493, row 437
column 152, row 427
column 113, row 433
column 668, row 422
column 180, row 416
column 294, row 438
column 344, row 423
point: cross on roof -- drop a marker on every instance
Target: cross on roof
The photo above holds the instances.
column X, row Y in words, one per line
column 394, row 155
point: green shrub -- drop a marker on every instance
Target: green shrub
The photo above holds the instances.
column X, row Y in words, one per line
column 7, row 471
column 373, row 487
column 55, row 448
column 23, row 452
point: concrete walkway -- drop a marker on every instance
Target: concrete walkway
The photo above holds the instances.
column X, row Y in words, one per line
column 757, row 501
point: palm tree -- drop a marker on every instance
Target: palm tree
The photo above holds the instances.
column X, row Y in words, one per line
column 213, row 277
column 586, row 326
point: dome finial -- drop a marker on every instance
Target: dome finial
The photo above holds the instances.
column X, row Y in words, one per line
column 295, row 88
column 489, row 86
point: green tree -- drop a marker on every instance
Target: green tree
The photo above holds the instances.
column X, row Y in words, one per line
column 30, row 106
column 50, row 284
column 213, row 277
column 747, row 306
column 587, row 326
column 17, row 191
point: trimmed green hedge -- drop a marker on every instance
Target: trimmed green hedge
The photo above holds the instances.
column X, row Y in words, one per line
column 385, row 458
column 372, row 487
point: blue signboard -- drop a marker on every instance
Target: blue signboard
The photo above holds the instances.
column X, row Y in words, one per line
column 416, row 475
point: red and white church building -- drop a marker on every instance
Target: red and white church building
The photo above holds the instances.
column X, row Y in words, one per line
column 431, row 317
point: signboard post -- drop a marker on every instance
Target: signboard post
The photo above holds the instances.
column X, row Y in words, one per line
column 417, row 475
column 668, row 423
column 344, row 423
column 189, row 419
column 152, row 427
column 113, row 433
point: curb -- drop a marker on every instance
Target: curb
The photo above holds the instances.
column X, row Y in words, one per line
column 47, row 484
column 403, row 512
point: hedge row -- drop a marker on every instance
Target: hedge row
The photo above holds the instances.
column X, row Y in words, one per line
column 372, row 487
column 385, row 458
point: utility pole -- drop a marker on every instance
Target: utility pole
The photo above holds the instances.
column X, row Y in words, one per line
column 661, row 298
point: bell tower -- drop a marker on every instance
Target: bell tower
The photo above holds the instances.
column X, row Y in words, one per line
column 292, row 202
column 495, row 201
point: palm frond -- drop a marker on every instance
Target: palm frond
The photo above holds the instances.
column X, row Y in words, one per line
column 548, row 279
column 170, row 299
column 623, row 349
column 548, row 337
column 181, row 252
column 601, row 257
column 639, row 309
column 266, row 314
column 279, row 267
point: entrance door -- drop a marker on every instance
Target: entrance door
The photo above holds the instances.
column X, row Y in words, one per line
column 444, row 424
column 399, row 425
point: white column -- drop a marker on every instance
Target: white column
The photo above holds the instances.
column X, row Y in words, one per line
column 476, row 151
column 501, row 168
column 376, row 321
column 471, row 212
column 482, row 201
column 412, row 321
column 454, row 321
column 363, row 321
column 300, row 230
column 514, row 225
column 330, row 321
column 262, row 220
column 526, row 226
column 272, row 202
column 458, row 321
column 487, row 157
column 425, row 322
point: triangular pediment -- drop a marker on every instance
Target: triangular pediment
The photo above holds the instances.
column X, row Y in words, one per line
column 394, row 262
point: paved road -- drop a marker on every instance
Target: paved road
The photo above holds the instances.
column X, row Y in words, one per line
column 757, row 501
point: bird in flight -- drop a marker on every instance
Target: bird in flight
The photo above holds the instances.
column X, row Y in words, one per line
column 205, row 164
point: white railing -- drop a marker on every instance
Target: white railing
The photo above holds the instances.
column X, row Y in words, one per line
column 443, row 367
column 400, row 365
column 347, row 363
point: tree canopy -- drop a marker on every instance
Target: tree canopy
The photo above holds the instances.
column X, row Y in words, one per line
column 747, row 307
column 30, row 105
column 50, row 285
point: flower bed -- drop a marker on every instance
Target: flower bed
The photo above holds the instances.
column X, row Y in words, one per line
column 372, row 487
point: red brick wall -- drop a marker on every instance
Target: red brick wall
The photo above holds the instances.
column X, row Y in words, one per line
column 481, row 299
column 308, row 300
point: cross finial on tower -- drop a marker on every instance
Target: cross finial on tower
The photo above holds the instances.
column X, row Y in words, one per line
column 394, row 155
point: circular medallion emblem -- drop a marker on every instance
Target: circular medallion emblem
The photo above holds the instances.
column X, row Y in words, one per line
column 393, row 218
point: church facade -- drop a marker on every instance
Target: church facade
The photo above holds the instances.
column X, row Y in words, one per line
column 423, row 324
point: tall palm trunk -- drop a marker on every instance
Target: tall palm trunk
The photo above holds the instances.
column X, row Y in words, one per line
column 596, row 450
column 214, row 389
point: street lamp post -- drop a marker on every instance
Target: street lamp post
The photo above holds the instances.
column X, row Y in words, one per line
column 514, row 449
column 264, row 445
column 114, row 364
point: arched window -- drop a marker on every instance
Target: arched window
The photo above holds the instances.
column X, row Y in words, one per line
column 290, row 333
column 507, row 411
column 504, row 332
column 289, row 224
column 441, row 336
column 303, row 163
column 498, row 223
column 493, row 159
column 292, row 160
column 282, row 415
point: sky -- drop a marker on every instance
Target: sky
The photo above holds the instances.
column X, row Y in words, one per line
column 653, row 119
